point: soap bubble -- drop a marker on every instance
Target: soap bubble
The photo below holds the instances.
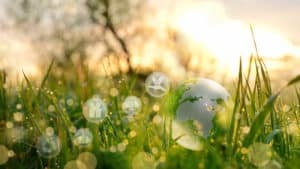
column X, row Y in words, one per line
column 4, row 154
column 157, row 84
column 259, row 154
column 18, row 116
column 88, row 159
column 83, row 137
column 94, row 110
column 132, row 105
column 75, row 164
column 194, row 117
column 143, row 160
column 48, row 146
column 273, row 165
column 16, row 134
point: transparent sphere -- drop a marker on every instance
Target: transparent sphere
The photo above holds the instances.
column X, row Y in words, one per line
column 75, row 164
column 94, row 110
column 132, row 105
column 16, row 134
column 48, row 146
column 83, row 137
column 194, row 116
column 4, row 154
column 157, row 84
column 143, row 161
column 259, row 154
column 88, row 159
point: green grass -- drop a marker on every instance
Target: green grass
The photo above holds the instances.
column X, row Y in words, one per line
column 254, row 114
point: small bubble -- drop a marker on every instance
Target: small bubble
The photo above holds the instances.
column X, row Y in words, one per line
column 154, row 150
column 16, row 134
column 72, row 129
column 244, row 150
column 157, row 119
column 121, row 147
column 9, row 124
column 293, row 129
column 132, row 134
column 4, row 154
column 286, row 108
column 273, row 165
column 48, row 146
column 51, row 108
column 245, row 130
column 49, row 131
column 162, row 158
column 75, row 164
column 95, row 110
column 125, row 142
column 132, row 105
column 156, row 107
column 89, row 159
column 157, row 84
column 70, row 102
column 18, row 116
column 19, row 106
column 114, row 92
column 259, row 154
column 143, row 160
column 11, row 153
column 113, row 149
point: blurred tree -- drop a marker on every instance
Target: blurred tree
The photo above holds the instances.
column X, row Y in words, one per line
column 66, row 28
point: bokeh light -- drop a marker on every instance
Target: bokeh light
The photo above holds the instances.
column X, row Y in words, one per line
column 260, row 154
column 88, row 159
column 4, row 154
column 143, row 160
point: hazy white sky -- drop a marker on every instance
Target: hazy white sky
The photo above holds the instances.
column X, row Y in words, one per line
column 279, row 15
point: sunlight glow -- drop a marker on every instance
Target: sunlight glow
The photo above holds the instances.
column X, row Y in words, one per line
column 226, row 39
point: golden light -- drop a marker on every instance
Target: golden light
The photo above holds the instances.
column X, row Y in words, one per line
column 225, row 39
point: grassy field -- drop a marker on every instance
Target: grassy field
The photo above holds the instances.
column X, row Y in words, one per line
column 254, row 129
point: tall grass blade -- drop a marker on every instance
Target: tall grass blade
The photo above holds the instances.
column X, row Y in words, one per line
column 293, row 81
column 258, row 122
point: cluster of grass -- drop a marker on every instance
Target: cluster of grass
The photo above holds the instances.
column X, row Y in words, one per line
column 256, row 125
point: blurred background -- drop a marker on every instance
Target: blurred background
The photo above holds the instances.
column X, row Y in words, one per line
column 190, row 38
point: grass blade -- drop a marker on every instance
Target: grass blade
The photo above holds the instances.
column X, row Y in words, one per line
column 258, row 122
column 293, row 81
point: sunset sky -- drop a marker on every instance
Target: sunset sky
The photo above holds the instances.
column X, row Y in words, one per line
column 219, row 26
